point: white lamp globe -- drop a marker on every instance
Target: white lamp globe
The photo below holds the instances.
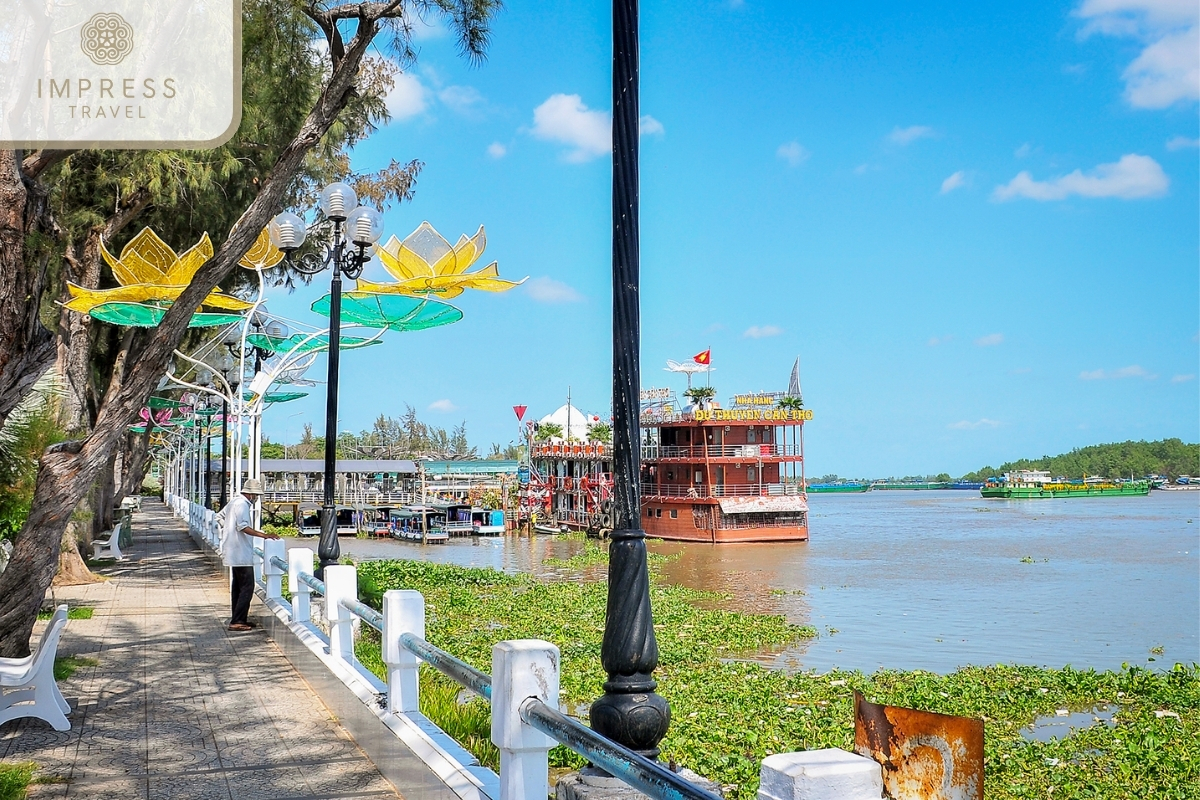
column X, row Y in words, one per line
column 364, row 226
column 204, row 377
column 277, row 330
column 287, row 231
column 337, row 200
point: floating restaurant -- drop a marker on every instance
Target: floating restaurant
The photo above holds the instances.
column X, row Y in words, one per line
column 709, row 474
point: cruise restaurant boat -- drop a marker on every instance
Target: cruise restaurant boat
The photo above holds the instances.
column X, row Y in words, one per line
column 1027, row 484
column 709, row 474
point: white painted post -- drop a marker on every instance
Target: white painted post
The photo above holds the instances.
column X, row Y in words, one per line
column 830, row 774
column 341, row 583
column 403, row 612
column 300, row 559
column 273, row 548
column 522, row 669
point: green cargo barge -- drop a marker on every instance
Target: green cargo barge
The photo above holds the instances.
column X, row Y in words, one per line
column 841, row 488
column 1031, row 484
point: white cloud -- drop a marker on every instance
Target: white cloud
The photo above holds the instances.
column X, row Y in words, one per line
column 954, row 181
column 1167, row 70
column 408, row 97
column 966, row 425
column 934, row 341
column 460, row 98
column 762, row 331
column 444, row 406
column 991, row 340
column 564, row 118
column 548, row 290
column 1133, row 177
column 793, row 153
column 649, row 126
column 1181, row 142
column 861, row 169
column 1132, row 371
column 1074, row 69
column 497, row 150
column 1183, row 378
column 903, row 136
column 1023, row 150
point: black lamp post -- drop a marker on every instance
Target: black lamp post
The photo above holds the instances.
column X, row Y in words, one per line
column 202, row 405
column 629, row 712
column 231, row 371
column 355, row 229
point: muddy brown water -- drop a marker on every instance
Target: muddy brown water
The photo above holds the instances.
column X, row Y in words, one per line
column 936, row 579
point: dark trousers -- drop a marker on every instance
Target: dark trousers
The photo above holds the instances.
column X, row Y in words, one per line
column 241, row 590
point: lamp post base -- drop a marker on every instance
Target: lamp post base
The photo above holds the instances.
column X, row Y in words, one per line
column 631, row 713
column 329, row 550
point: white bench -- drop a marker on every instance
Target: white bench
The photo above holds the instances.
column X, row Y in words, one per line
column 133, row 502
column 27, row 687
column 109, row 547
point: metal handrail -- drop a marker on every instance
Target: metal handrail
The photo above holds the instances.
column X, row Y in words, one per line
column 364, row 611
column 460, row 672
column 276, row 561
column 313, row 583
column 636, row 770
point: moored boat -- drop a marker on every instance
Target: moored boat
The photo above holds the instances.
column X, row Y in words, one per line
column 1037, row 484
column 838, row 488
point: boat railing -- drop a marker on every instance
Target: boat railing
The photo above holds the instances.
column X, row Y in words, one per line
column 699, row 451
column 722, row 490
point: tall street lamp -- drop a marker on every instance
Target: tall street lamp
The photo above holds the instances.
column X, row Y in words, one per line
column 629, row 712
column 355, row 229
column 231, row 372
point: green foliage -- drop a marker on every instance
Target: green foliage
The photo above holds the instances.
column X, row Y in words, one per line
column 714, row 694
column 65, row 666
column 544, row 431
column 288, row 531
column 28, row 431
column 272, row 449
column 14, row 779
column 699, row 394
column 78, row 612
column 151, row 486
column 600, row 432
column 791, row 403
column 1171, row 457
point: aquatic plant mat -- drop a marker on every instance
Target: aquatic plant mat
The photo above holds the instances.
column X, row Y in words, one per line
column 727, row 715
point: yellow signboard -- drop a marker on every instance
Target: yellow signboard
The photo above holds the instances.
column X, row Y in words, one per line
column 754, row 414
column 753, row 400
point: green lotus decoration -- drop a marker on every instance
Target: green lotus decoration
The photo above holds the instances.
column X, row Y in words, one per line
column 393, row 311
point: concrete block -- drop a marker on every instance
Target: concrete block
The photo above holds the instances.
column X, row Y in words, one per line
column 522, row 669
column 830, row 774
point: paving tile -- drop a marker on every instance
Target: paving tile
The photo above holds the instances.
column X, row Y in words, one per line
column 176, row 707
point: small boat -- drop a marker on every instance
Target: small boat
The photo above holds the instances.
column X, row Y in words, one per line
column 419, row 524
column 487, row 522
column 310, row 522
column 840, row 488
column 1027, row 484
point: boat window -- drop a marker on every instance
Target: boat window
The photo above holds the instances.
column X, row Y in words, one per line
column 658, row 512
column 750, row 473
column 750, row 435
column 674, row 513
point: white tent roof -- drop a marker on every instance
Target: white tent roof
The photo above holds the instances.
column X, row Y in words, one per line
column 579, row 421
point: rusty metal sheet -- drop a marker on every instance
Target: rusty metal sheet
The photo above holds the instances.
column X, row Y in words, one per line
column 925, row 756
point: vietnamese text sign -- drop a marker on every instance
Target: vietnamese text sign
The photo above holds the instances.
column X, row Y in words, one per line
column 120, row 73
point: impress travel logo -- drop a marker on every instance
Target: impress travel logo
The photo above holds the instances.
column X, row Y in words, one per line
column 120, row 74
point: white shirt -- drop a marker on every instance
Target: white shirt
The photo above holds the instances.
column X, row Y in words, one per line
column 236, row 548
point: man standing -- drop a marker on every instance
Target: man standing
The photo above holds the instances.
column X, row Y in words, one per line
column 237, row 551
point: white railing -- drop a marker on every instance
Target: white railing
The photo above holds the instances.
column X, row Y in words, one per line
column 725, row 490
column 522, row 688
column 655, row 452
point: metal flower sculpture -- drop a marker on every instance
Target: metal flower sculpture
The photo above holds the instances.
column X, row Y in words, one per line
column 425, row 263
column 152, row 276
column 262, row 254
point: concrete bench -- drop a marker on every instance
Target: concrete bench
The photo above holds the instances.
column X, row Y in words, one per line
column 27, row 687
column 108, row 547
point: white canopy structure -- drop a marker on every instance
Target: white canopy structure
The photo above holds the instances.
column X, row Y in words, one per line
column 575, row 423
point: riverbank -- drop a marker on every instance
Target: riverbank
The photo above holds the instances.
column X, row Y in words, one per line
column 1151, row 750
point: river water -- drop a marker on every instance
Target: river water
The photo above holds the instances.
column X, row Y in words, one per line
column 938, row 579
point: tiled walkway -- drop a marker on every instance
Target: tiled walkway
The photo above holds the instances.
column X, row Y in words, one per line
column 176, row 706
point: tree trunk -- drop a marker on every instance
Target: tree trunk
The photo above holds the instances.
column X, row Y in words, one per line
column 26, row 234
column 68, row 469
column 72, row 569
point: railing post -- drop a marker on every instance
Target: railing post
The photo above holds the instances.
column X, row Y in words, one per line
column 341, row 583
column 522, row 669
column 273, row 548
column 300, row 560
column 403, row 612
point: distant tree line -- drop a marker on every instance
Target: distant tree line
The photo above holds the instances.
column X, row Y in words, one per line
column 391, row 438
column 1170, row 457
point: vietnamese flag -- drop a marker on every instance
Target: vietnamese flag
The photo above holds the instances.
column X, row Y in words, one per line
column 703, row 358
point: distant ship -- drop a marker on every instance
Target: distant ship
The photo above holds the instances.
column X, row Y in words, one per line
column 1035, row 484
column 839, row 488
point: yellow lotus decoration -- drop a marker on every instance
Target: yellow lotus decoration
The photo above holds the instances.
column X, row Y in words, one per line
column 262, row 254
column 425, row 263
column 150, row 271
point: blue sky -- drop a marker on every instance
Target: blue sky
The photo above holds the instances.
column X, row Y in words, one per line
column 975, row 224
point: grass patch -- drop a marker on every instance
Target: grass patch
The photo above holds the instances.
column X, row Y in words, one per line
column 65, row 666
column 729, row 714
column 15, row 779
column 288, row 531
column 78, row 612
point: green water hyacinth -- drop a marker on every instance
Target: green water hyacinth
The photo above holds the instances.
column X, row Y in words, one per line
column 713, row 671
